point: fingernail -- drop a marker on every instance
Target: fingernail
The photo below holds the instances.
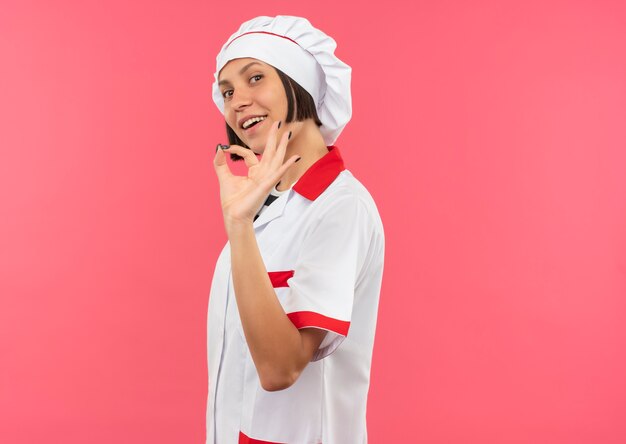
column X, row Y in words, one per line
column 279, row 123
column 289, row 137
column 218, row 147
column 298, row 159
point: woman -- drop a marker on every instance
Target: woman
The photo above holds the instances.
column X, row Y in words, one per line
column 294, row 297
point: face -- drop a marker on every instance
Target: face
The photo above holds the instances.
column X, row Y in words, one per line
column 252, row 89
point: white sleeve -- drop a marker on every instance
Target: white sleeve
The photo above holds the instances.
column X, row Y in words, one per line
column 321, row 290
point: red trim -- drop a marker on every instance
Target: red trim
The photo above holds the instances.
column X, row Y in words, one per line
column 279, row 278
column 261, row 32
column 303, row 319
column 243, row 439
column 320, row 175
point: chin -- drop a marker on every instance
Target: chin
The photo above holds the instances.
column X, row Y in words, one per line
column 256, row 149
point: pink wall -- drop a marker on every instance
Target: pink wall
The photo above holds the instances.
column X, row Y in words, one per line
column 491, row 134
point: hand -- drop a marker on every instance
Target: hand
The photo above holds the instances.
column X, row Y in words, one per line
column 242, row 196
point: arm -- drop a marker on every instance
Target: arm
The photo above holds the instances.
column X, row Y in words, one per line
column 279, row 350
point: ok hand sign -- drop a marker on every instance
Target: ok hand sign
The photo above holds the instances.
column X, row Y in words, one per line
column 242, row 196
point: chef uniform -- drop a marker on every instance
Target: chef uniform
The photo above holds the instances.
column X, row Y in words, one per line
column 322, row 243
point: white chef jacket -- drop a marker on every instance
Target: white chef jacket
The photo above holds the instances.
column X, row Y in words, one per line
column 322, row 243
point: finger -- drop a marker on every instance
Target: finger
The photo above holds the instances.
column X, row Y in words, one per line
column 270, row 145
column 277, row 161
column 278, row 175
column 248, row 155
column 221, row 167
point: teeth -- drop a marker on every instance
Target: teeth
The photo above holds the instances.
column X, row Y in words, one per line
column 249, row 122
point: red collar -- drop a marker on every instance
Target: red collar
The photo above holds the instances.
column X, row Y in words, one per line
column 320, row 175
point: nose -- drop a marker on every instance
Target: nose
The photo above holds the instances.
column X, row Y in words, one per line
column 240, row 99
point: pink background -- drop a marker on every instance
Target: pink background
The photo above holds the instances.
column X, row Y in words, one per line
column 491, row 134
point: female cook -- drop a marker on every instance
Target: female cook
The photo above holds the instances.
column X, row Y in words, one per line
column 294, row 297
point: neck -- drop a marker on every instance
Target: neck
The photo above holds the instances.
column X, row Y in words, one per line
column 310, row 146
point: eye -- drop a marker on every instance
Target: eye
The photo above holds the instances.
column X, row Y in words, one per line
column 226, row 94
column 259, row 76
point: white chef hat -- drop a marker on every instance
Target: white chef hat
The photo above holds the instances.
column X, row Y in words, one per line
column 302, row 52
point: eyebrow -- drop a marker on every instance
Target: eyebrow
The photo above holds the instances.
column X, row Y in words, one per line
column 241, row 71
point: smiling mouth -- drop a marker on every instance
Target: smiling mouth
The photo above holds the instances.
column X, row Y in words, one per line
column 250, row 123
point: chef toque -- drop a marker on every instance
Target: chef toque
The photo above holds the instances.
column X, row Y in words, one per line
column 305, row 54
